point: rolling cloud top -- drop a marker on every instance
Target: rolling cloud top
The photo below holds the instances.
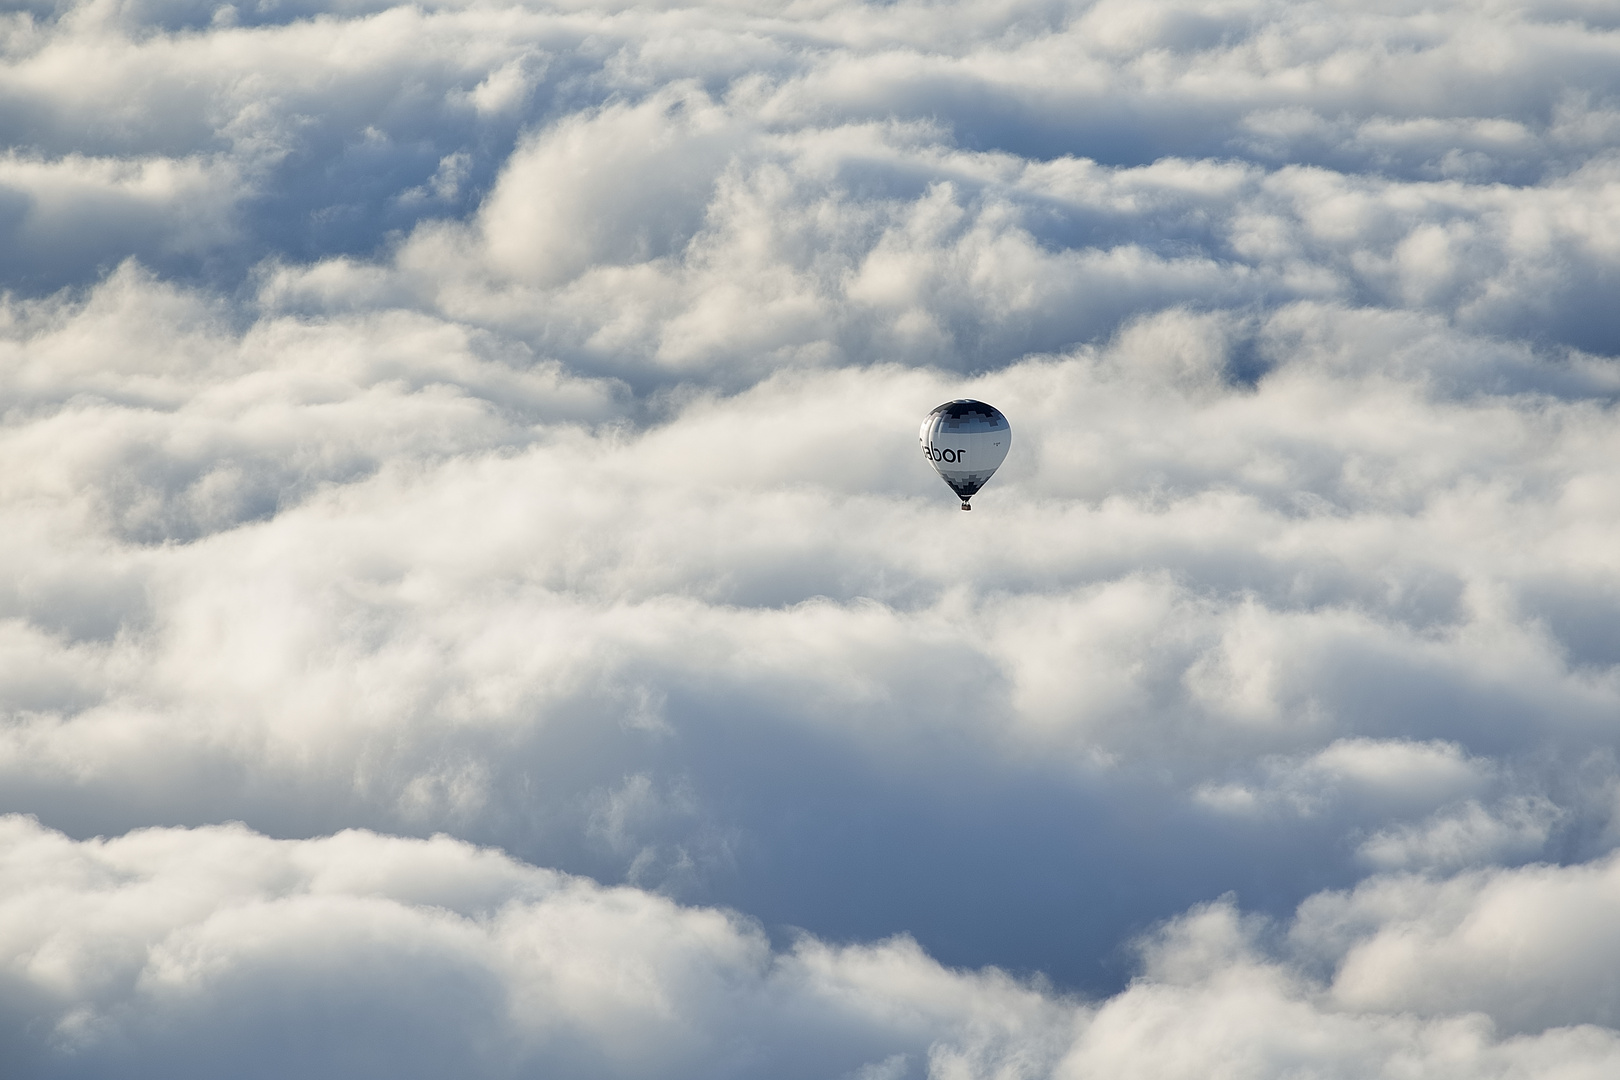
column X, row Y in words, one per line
column 437, row 621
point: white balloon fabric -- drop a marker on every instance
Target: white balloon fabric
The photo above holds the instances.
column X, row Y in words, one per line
column 966, row 441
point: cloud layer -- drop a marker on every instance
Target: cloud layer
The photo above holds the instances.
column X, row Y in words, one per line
column 186, row 952
column 465, row 545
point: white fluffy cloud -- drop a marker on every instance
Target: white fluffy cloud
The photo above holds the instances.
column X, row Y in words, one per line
column 178, row 951
column 181, row 951
column 493, row 422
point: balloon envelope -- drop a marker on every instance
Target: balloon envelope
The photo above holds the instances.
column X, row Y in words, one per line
column 966, row 441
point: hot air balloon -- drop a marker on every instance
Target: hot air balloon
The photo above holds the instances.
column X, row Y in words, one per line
column 967, row 441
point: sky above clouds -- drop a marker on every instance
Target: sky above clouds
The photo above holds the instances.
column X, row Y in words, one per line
column 470, row 602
